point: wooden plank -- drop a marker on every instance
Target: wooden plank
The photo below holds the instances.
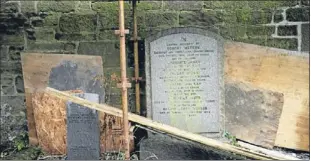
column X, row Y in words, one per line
column 162, row 127
column 266, row 151
column 277, row 70
column 37, row 74
column 252, row 114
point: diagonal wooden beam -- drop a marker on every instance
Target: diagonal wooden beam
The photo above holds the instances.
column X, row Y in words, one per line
column 163, row 127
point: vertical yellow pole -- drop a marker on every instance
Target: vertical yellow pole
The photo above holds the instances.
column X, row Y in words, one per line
column 123, row 79
column 135, row 39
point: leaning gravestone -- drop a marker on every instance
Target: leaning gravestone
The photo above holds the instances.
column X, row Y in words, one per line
column 83, row 135
column 184, row 79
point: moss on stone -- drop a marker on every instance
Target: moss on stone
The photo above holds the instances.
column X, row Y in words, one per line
column 228, row 5
column 259, row 30
column 81, row 36
column 278, row 17
column 48, row 20
column 183, row 5
column 298, row 14
column 44, row 34
column 287, row 30
column 56, row 6
column 109, row 14
column 9, row 7
column 146, row 5
column 233, row 32
column 157, row 19
column 107, row 35
column 14, row 39
column 244, row 15
column 28, row 7
column 72, row 23
column 290, row 44
column 83, row 6
column 248, row 16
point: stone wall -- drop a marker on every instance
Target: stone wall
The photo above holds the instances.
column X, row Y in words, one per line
column 87, row 27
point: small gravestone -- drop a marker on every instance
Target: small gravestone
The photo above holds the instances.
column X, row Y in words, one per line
column 83, row 134
column 184, row 79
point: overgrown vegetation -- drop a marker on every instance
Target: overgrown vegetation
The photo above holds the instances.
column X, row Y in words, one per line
column 231, row 138
column 20, row 149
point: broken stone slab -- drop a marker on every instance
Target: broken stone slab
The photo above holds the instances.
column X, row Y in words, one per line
column 252, row 114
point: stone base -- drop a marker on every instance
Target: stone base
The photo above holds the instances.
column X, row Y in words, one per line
column 162, row 147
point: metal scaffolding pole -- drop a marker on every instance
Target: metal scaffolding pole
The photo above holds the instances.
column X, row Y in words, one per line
column 135, row 39
column 124, row 84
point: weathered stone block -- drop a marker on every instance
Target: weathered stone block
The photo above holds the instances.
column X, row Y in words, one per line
column 233, row 32
column 7, row 79
column 12, row 39
column 28, row 7
column 13, row 118
column 36, row 21
column 298, row 14
column 19, row 84
column 57, row 47
column 111, row 21
column 109, row 14
column 9, row 7
column 4, row 53
column 78, row 22
column 82, row 36
column 15, row 52
column 98, row 48
column 290, row 44
column 287, row 30
column 183, row 5
column 205, row 18
column 51, row 20
column 45, row 34
column 83, row 6
column 12, row 23
column 7, row 85
column 269, row 4
column 278, row 16
column 145, row 32
column 248, row 16
column 56, row 6
column 228, row 5
column 149, row 5
column 305, row 37
column 7, row 90
column 107, row 35
column 154, row 19
column 11, row 67
column 69, row 46
column 109, row 7
column 253, row 31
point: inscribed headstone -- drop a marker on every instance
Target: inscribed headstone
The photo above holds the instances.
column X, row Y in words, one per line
column 83, row 134
column 184, row 79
